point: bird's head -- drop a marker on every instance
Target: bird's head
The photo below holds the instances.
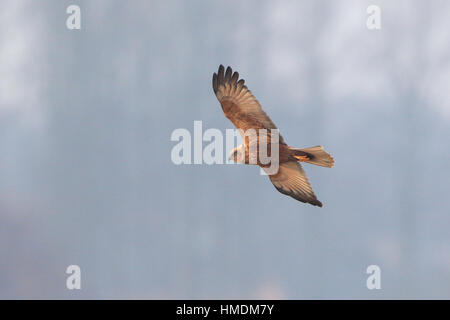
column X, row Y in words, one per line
column 237, row 154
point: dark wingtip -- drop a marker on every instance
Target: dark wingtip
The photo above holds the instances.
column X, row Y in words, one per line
column 221, row 70
column 214, row 82
column 228, row 76
column 315, row 202
column 235, row 78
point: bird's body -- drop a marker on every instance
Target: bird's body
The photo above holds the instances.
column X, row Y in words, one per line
column 243, row 110
column 245, row 154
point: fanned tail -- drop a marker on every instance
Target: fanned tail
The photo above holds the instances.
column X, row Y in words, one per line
column 314, row 155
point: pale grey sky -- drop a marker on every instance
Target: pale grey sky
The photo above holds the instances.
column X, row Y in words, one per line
column 86, row 176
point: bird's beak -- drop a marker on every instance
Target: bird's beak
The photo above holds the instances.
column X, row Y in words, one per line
column 230, row 156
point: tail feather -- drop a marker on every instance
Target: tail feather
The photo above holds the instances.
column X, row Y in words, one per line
column 314, row 155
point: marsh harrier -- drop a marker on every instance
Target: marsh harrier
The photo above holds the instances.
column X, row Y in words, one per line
column 245, row 112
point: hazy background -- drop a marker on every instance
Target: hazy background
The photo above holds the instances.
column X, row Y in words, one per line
column 86, row 176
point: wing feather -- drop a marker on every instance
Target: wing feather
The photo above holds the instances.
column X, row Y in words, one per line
column 292, row 181
column 238, row 102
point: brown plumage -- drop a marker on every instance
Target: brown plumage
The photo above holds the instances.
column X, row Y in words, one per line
column 244, row 111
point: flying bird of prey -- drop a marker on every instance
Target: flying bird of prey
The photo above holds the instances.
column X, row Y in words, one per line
column 244, row 111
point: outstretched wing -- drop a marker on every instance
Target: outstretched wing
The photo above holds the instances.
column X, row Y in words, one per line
column 292, row 181
column 238, row 102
